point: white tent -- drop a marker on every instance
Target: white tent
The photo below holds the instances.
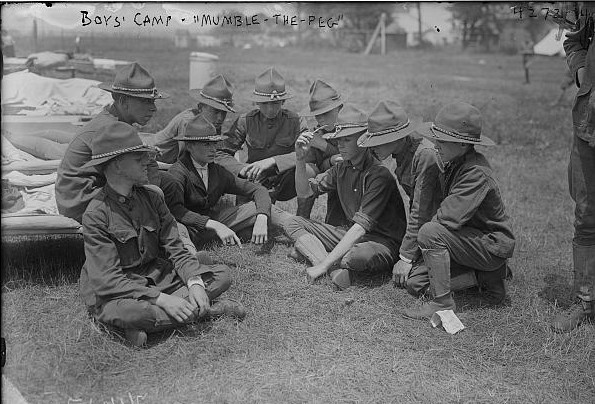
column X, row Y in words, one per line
column 549, row 45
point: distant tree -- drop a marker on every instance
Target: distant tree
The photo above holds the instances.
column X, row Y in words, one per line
column 479, row 21
column 356, row 15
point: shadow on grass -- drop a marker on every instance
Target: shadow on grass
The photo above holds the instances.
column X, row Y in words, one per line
column 557, row 291
column 42, row 260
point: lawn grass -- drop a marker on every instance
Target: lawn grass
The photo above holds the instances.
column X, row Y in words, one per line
column 307, row 343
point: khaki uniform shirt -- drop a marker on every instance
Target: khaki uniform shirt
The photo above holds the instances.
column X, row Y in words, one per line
column 123, row 237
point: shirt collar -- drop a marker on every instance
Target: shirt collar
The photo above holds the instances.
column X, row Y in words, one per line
column 112, row 194
column 366, row 162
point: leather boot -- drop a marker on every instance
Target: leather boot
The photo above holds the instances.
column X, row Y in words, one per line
column 578, row 314
column 584, row 279
column 227, row 307
column 491, row 284
column 438, row 263
column 341, row 278
column 311, row 248
column 304, row 207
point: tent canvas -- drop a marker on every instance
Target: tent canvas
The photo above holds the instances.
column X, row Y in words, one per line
column 549, row 46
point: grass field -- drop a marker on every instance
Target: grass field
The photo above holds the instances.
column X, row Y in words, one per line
column 307, row 343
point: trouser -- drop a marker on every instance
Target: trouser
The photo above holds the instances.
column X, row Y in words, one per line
column 143, row 315
column 418, row 281
column 281, row 186
column 464, row 246
column 581, row 183
column 237, row 218
column 371, row 253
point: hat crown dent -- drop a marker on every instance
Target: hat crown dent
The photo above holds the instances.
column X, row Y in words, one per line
column 133, row 76
column 218, row 87
column 460, row 117
column 351, row 115
column 270, row 82
column 114, row 139
column 199, row 128
column 387, row 114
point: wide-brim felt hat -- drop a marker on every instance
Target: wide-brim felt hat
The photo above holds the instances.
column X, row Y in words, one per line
column 113, row 140
column 387, row 123
column 323, row 98
column 351, row 121
column 217, row 92
column 134, row 81
column 270, row 87
column 458, row 122
column 199, row 130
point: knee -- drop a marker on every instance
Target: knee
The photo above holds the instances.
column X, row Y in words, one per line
column 220, row 282
column 294, row 227
column 363, row 258
column 429, row 235
column 127, row 314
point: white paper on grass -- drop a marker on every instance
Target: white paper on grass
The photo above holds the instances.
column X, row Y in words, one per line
column 448, row 319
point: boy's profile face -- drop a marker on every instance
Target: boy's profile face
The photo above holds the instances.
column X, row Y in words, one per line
column 348, row 146
column 202, row 152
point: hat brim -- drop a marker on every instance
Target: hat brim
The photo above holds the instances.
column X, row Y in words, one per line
column 434, row 135
column 217, row 105
column 101, row 160
column 216, row 138
column 108, row 87
column 344, row 133
column 263, row 98
column 371, row 140
column 336, row 103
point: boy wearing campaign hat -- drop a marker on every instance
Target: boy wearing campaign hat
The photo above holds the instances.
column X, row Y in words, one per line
column 324, row 105
column 134, row 94
column 370, row 201
column 390, row 134
column 269, row 133
column 471, row 226
column 214, row 101
column 194, row 184
column 125, row 282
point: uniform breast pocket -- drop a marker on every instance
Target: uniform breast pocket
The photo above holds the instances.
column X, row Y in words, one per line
column 149, row 240
column 285, row 140
column 256, row 142
column 126, row 240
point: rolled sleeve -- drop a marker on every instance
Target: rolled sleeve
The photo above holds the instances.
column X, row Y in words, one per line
column 285, row 162
column 324, row 182
column 376, row 195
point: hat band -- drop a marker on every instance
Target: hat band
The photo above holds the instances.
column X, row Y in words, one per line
column 226, row 102
column 153, row 91
column 272, row 95
column 390, row 129
column 115, row 152
column 209, row 138
column 341, row 126
column 456, row 134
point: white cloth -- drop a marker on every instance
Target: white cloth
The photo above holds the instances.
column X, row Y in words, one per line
column 203, row 172
column 53, row 96
column 37, row 180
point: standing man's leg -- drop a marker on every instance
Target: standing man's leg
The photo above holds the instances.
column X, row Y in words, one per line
column 581, row 181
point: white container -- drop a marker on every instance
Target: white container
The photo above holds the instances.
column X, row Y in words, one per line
column 203, row 67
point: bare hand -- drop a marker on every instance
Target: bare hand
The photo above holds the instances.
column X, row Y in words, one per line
column 302, row 145
column 400, row 273
column 254, row 171
column 225, row 234
column 260, row 230
column 318, row 142
column 199, row 298
column 180, row 309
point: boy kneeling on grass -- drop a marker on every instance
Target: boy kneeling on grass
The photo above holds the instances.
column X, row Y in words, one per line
column 470, row 227
column 370, row 201
column 124, row 282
